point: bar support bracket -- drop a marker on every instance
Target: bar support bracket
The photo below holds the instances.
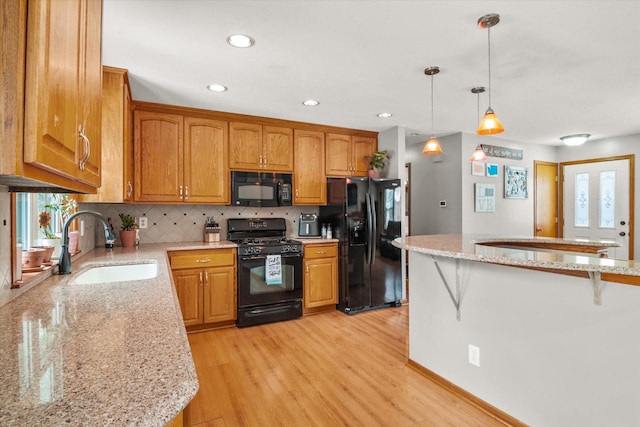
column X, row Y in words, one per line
column 455, row 299
column 597, row 287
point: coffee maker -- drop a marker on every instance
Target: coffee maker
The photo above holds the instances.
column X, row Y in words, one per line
column 309, row 225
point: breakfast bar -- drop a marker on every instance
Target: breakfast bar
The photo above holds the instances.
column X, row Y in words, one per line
column 542, row 329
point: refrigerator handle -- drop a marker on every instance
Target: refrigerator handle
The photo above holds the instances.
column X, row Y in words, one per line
column 369, row 229
column 374, row 228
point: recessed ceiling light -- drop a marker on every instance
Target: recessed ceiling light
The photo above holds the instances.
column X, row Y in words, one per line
column 240, row 40
column 385, row 115
column 310, row 103
column 217, row 88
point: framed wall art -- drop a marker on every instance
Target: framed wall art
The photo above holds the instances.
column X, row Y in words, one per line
column 477, row 168
column 485, row 195
column 515, row 182
column 492, row 170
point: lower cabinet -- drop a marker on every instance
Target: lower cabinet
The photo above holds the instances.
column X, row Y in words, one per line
column 320, row 276
column 205, row 282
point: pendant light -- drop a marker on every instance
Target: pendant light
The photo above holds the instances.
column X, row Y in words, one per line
column 490, row 124
column 479, row 154
column 432, row 146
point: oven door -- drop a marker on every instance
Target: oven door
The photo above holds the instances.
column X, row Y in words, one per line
column 255, row 289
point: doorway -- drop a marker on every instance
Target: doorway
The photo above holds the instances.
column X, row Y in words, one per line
column 598, row 202
column 545, row 199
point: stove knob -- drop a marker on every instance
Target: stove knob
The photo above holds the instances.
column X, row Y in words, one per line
column 285, row 249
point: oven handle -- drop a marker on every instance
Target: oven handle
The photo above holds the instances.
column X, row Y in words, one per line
column 256, row 257
column 259, row 311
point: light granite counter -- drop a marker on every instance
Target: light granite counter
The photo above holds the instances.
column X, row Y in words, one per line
column 100, row 354
column 499, row 250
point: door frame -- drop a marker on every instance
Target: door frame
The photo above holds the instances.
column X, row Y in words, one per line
column 536, row 194
column 631, row 159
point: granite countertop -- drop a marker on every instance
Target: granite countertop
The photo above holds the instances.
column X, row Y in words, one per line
column 470, row 247
column 98, row 354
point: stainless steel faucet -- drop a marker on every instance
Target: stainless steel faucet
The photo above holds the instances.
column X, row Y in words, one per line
column 64, row 262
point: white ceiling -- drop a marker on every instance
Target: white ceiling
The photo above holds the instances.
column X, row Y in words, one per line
column 557, row 67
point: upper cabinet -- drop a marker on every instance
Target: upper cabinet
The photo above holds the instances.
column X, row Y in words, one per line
column 309, row 179
column 51, row 107
column 117, row 148
column 255, row 147
column 63, row 88
column 180, row 159
column 348, row 155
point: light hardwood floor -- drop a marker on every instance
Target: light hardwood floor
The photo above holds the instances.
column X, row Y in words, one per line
column 328, row 369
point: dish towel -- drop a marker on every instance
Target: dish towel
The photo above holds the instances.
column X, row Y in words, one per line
column 273, row 270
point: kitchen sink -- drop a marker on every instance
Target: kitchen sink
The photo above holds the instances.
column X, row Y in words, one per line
column 117, row 273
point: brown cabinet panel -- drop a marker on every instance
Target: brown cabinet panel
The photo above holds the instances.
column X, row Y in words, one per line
column 189, row 287
column 245, row 142
column 219, row 294
column 309, row 179
column 321, row 275
column 361, row 151
column 349, row 155
column 278, row 149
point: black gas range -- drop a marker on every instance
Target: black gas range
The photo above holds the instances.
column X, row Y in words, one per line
column 269, row 271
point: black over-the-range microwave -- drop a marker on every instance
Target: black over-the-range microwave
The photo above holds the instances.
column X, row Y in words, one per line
column 261, row 189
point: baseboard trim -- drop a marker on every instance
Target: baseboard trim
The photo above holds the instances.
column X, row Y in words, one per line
column 472, row 399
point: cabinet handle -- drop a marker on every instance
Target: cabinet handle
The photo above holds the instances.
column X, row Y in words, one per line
column 260, row 160
column 206, row 278
column 129, row 189
column 320, row 252
column 306, row 269
column 87, row 148
column 296, row 193
column 181, row 191
column 203, row 260
column 186, row 192
column 264, row 161
column 201, row 279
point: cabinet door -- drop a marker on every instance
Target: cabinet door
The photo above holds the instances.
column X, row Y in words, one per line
column 158, row 156
column 90, row 91
column 206, row 155
column 245, row 145
column 338, row 157
column 362, row 149
column 189, row 288
column 51, row 139
column 309, row 179
column 219, row 294
column 278, row 149
column 320, row 282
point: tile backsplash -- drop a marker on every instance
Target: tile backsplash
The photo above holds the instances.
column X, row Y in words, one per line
column 185, row 223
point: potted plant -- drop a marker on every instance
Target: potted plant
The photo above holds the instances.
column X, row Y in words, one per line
column 377, row 162
column 128, row 231
column 63, row 205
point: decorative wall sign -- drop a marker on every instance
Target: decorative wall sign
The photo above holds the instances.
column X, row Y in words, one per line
column 477, row 168
column 507, row 153
column 492, row 170
column 485, row 197
column 515, row 182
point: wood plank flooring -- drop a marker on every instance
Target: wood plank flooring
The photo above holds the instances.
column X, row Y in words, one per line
column 328, row 369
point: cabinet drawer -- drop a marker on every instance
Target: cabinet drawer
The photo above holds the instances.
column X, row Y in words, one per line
column 202, row 258
column 326, row 250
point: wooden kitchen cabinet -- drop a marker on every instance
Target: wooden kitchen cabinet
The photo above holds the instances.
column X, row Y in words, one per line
column 309, row 179
column 320, row 275
column 205, row 282
column 255, row 147
column 117, row 147
column 348, row 155
column 51, row 108
column 180, row 159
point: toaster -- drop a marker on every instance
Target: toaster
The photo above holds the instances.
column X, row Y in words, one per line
column 309, row 225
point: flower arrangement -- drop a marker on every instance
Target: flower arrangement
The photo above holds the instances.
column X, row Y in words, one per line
column 377, row 160
column 44, row 221
column 62, row 204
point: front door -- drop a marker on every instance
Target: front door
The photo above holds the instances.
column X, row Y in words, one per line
column 598, row 201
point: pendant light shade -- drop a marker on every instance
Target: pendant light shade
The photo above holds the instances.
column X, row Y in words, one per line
column 490, row 124
column 479, row 155
column 432, row 146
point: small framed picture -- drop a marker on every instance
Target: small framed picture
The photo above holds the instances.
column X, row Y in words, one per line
column 485, row 195
column 492, row 170
column 515, row 182
column 477, row 168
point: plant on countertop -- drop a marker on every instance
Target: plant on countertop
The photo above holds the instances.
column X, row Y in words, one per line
column 378, row 160
column 128, row 223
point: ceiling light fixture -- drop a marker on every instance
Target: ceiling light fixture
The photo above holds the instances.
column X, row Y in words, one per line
column 490, row 124
column 574, row 140
column 310, row 103
column 216, row 88
column 240, row 40
column 479, row 154
column 432, row 146
column 385, row 115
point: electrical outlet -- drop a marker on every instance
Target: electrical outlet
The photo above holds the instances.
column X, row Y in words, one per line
column 142, row 222
column 474, row 355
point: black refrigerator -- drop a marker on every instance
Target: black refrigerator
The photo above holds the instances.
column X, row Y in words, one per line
column 365, row 216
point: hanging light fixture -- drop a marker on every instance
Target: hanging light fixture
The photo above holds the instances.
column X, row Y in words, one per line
column 479, row 154
column 490, row 124
column 432, row 146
